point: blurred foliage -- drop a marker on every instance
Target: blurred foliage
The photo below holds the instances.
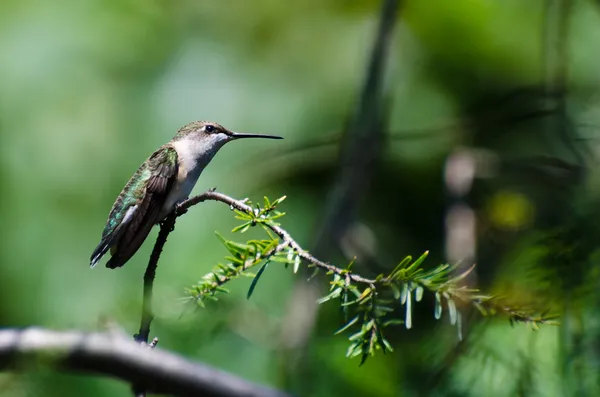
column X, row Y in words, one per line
column 89, row 89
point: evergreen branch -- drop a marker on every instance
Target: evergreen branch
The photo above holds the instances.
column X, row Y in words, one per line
column 242, row 206
column 372, row 301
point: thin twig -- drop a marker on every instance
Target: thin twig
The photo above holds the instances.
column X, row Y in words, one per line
column 166, row 227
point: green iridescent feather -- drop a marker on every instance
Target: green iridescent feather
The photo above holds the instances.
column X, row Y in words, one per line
column 147, row 189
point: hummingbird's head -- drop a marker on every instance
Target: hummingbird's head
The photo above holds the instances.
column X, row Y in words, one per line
column 214, row 133
column 205, row 138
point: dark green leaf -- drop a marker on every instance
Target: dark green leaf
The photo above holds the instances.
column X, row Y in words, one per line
column 242, row 228
column 366, row 293
column 364, row 358
column 400, row 266
column 387, row 346
column 359, row 335
column 334, row 294
column 278, row 201
column 281, row 259
column 348, row 325
column 394, row 321
column 418, row 262
column 255, row 280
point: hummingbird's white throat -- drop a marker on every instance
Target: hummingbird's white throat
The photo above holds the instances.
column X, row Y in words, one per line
column 193, row 155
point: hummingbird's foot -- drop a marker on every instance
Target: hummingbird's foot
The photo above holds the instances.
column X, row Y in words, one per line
column 179, row 210
column 212, row 189
column 140, row 339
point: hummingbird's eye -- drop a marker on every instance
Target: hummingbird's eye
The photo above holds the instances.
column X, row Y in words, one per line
column 209, row 128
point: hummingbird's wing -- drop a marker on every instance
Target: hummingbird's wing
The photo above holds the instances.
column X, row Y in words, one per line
column 137, row 208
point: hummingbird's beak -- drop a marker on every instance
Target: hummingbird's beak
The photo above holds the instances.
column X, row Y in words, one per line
column 238, row 135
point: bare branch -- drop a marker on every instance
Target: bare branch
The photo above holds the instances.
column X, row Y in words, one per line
column 166, row 227
column 156, row 370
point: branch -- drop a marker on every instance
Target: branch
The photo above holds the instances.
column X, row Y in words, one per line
column 405, row 283
column 287, row 240
column 108, row 354
column 166, row 227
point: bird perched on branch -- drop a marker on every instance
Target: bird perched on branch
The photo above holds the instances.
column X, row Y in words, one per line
column 165, row 179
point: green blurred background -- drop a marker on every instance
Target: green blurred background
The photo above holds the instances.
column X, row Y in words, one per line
column 88, row 89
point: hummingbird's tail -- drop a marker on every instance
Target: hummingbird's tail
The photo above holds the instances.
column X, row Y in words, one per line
column 128, row 243
column 99, row 253
column 116, row 260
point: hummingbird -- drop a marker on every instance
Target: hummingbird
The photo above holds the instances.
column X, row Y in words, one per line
column 164, row 180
